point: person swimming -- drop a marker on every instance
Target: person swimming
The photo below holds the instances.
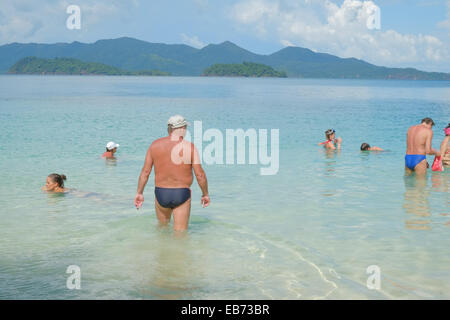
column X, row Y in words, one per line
column 367, row 147
column 55, row 183
column 418, row 145
column 331, row 143
column 111, row 149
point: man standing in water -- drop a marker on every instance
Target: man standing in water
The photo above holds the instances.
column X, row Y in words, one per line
column 418, row 145
column 174, row 159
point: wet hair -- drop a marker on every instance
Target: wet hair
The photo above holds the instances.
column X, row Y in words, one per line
column 365, row 147
column 428, row 121
column 329, row 132
column 446, row 129
column 58, row 178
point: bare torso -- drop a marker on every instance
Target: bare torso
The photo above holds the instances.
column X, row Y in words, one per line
column 416, row 139
column 169, row 174
column 446, row 152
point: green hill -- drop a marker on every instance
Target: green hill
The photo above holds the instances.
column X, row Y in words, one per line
column 246, row 69
column 179, row 59
column 70, row 66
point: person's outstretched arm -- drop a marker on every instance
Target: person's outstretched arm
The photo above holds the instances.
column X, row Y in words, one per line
column 143, row 178
column 201, row 178
column 428, row 149
column 339, row 141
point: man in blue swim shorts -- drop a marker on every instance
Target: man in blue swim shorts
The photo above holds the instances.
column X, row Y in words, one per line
column 418, row 145
column 174, row 160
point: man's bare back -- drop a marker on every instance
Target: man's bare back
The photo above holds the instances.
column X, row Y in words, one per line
column 174, row 160
column 416, row 139
column 169, row 174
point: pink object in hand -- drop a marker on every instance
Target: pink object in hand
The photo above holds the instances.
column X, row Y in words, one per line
column 437, row 164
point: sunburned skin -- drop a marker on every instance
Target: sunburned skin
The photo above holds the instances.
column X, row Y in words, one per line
column 171, row 174
column 333, row 143
column 110, row 153
column 418, row 143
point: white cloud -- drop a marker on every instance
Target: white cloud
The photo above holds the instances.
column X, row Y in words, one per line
column 286, row 43
column 446, row 23
column 43, row 21
column 192, row 41
column 340, row 30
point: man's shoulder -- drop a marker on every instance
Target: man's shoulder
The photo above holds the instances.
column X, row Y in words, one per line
column 158, row 141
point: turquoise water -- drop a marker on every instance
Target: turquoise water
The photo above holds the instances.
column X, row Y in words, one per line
column 308, row 232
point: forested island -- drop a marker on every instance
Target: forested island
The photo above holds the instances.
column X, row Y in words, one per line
column 245, row 69
column 70, row 66
column 182, row 60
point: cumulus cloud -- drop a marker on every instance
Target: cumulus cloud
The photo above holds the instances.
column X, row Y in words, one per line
column 192, row 41
column 342, row 30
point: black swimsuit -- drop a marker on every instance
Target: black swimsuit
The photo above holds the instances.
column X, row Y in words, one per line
column 172, row 197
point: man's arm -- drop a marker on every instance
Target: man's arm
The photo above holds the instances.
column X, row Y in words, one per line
column 201, row 178
column 143, row 178
column 428, row 149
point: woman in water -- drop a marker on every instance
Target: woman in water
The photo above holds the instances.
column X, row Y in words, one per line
column 55, row 183
column 332, row 143
column 445, row 147
column 367, row 147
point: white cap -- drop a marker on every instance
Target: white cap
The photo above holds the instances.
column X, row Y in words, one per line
column 111, row 145
column 177, row 121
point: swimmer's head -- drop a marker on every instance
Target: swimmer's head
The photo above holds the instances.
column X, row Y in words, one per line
column 447, row 130
column 54, row 181
column 329, row 134
column 111, row 147
column 428, row 122
column 365, row 147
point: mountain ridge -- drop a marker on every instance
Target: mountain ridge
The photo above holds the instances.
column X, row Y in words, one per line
column 180, row 59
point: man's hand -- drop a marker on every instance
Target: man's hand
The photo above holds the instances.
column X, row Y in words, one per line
column 205, row 201
column 437, row 153
column 138, row 200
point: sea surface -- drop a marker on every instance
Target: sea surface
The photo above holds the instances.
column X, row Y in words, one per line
column 310, row 231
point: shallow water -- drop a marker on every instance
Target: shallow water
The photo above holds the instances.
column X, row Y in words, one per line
column 308, row 232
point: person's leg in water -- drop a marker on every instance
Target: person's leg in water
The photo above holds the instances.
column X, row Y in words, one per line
column 163, row 214
column 181, row 216
column 421, row 167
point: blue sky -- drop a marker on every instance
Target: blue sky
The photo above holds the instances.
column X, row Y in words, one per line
column 413, row 33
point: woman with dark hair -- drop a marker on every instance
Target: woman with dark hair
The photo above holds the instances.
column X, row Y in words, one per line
column 367, row 147
column 55, row 183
